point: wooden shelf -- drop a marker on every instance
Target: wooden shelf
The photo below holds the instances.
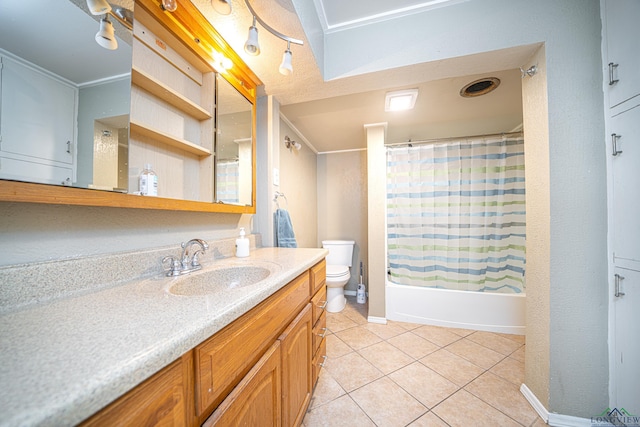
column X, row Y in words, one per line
column 167, row 139
column 157, row 88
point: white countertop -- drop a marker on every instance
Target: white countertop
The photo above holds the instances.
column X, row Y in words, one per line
column 62, row 361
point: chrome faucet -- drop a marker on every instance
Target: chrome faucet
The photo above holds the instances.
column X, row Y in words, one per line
column 188, row 261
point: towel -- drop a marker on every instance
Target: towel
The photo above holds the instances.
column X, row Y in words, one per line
column 285, row 237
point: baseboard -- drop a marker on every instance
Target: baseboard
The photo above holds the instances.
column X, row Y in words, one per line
column 350, row 293
column 535, row 403
column 374, row 319
column 554, row 420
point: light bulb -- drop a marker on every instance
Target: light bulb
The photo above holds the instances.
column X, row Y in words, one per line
column 106, row 37
column 98, row 7
column 285, row 67
column 252, row 47
column 170, row 5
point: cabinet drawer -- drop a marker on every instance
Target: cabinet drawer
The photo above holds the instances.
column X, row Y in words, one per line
column 318, row 303
column 319, row 331
column 318, row 276
column 318, row 360
column 225, row 358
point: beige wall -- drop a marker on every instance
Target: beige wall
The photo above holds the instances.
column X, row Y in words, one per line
column 342, row 204
column 298, row 177
column 536, row 141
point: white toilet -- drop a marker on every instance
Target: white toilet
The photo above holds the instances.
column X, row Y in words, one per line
column 338, row 264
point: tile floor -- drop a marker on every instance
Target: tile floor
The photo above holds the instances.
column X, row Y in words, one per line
column 402, row 374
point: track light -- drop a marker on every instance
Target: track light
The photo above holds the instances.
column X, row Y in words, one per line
column 98, row 7
column 106, row 37
column 252, row 47
column 223, row 7
column 285, row 67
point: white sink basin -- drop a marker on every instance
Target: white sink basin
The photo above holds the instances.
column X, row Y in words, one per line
column 220, row 279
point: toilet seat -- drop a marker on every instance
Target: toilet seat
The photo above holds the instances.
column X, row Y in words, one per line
column 337, row 272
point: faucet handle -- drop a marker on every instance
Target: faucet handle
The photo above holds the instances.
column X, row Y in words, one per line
column 174, row 266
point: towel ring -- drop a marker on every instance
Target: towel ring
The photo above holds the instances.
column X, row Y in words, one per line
column 279, row 194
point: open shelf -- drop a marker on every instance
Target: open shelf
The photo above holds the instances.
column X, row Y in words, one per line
column 165, row 138
column 159, row 89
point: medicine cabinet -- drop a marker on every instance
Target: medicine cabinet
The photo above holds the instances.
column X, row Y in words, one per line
column 189, row 117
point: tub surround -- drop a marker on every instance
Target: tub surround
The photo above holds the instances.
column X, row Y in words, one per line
column 79, row 347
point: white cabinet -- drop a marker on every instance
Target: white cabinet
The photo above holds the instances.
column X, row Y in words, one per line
column 622, row 59
column 621, row 62
column 38, row 131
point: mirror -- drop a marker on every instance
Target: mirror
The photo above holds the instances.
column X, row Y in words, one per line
column 113, row 158
column 234, row 145
column 65, row 111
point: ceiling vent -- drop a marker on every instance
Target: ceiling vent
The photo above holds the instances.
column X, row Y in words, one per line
column 480, row 87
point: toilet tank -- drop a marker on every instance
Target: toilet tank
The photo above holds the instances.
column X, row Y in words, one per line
column 340, row 251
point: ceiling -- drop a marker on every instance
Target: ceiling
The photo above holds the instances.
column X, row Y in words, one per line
column 330, row 115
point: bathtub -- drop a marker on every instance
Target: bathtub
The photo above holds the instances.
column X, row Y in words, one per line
column 481, row 311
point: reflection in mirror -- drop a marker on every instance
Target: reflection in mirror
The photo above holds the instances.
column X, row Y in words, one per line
column 59, row 89
column 234, row 143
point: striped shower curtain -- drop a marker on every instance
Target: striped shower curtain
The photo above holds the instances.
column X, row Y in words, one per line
column 227, row 186
column 456, row 214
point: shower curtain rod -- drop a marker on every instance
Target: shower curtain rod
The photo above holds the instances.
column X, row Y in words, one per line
column 453, row 138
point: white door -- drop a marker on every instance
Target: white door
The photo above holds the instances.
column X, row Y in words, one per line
column 627, row 340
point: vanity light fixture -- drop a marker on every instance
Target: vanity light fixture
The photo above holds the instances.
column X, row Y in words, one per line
column 220, row 62
column 400, row 100
column 106, row 36
column 290, row 144
column 252, row 46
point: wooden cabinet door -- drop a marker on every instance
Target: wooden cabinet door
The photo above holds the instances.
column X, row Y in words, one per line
column 165, row 399
column 296, row 368
column 255, row 402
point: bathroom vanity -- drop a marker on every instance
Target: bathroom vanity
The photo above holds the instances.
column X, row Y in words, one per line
column 159, row 351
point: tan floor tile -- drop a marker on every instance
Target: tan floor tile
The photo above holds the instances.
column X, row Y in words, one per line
column 495, row 342
column 503, row 395
column 475, row 353
column 517, row 338
column 539, row 422
column 386, row 357
column 341, row 412
column 511, row 370
column 387, row 404
column 464, row 409
column 385, row 331
column 336, row 347
column 451, row 366
column 326, row 390
column 352, row 371
column 358, row 337
column 428, row 420
column 405, row 325
column 357, row 314
column 460, row 331
column 427, row 386
column 338, row 322
column 436, row 334
column 413, row 345
column 519, row 354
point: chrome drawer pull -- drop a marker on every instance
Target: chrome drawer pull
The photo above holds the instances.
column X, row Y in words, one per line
column 612, row 67
column 618, row 278
column 614, row 144
column 323, row 334
column 321, row 307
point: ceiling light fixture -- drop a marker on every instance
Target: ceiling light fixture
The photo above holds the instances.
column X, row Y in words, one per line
column 400, row 100
column 223, row 7
column 252, row 47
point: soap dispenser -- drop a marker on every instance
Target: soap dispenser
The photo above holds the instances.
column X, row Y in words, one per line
column 242, row 245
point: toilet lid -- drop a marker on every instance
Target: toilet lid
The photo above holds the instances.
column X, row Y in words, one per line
column 337, row 270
